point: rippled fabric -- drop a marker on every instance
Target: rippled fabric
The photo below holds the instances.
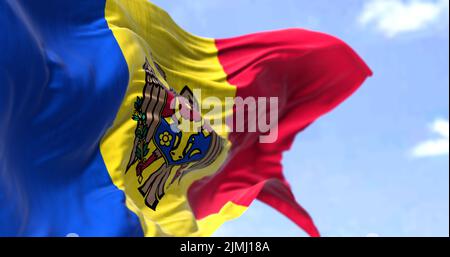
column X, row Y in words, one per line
column 62, row 79
column 86, row 140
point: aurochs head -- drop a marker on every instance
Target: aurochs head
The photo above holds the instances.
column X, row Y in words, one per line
column 189, row 147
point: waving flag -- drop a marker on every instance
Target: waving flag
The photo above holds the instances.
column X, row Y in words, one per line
column 92, row 98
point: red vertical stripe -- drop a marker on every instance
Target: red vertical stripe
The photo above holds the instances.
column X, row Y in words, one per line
column 310, row 73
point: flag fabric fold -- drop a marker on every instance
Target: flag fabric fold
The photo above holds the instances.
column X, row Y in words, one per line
column 90, row 138
column 310, row 73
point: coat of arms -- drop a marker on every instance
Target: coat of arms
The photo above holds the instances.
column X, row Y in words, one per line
column 159, row 114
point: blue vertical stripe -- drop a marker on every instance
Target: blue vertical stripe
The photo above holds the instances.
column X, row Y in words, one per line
column 62, row 80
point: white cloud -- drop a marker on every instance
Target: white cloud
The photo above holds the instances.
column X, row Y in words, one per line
column 393, row 17
column 435, row 147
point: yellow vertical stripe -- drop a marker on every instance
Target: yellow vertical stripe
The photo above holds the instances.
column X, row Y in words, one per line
column 144, row 30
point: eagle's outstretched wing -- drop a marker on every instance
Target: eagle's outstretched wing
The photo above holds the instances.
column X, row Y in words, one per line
column 148, row 109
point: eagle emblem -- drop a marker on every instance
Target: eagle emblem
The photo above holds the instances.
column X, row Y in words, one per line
column 161, row 114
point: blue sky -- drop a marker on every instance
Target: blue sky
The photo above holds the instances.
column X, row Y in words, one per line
column 379, row 164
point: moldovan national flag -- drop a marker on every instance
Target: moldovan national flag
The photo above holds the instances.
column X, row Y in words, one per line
column 90, row 140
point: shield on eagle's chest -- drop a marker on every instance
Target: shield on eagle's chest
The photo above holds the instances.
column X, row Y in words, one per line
column 181, row 147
